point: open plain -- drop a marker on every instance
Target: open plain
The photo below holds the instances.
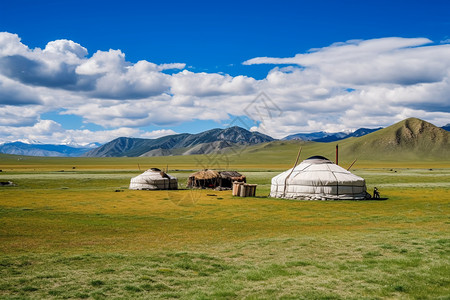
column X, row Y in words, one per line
column 70, row 228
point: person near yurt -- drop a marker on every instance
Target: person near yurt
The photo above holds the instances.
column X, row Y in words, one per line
column 154, row 179
column 317, row 178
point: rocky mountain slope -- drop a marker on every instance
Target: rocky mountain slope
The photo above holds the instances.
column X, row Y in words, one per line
column 180, row 144
column 326, row 137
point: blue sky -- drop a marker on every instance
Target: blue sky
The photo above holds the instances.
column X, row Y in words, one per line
column 226, row 54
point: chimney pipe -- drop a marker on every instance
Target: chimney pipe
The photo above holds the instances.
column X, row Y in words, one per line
column 337, row 154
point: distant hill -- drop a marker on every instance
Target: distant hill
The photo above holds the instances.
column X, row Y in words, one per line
column 180, row 144
column 409, row 139
column 446, row 127
column 324, row 137
column 20, row 148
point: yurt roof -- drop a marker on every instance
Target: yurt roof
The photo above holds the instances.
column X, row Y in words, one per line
column 153, row 173
column 205, row 174
column 317, row 159
column 319, row 169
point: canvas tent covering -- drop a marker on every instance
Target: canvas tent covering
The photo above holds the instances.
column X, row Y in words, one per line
column 154, row 179
column 317, row 178
column 213, row 179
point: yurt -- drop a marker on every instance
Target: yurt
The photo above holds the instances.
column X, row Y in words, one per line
column 317, row 178
column 154, row 179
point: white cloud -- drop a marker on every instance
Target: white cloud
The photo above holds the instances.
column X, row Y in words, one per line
column 358, row 83
column 10, row 45
column 135, row 82
column 171, row 66
column 16, row 94
column 207, row 84
column 157, row 133
column 18, row 116
column 70, row 50
column 387, row 60
column 51, row 132
column 103, row 62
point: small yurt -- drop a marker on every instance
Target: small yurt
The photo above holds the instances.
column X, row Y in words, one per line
column 154, row 179
column 317, row 178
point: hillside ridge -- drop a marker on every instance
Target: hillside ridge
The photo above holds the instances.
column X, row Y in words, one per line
column 412, row 138
column 212, row 140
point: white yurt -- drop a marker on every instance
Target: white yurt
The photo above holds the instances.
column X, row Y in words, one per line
column 154, row 179
column 317, row 178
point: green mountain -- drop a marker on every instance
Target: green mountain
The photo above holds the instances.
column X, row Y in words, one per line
column 409, row 140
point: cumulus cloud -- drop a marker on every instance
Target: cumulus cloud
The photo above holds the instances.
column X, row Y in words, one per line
column 52, row 67
column 358, row 83
column 10, row 45
column 347, row 85
column 139, row 81
column 18, row 116
column 12, row 93
column 67, row 49
column 103, row 62
column 63, row 64
column 387, row 60
column 206, row 84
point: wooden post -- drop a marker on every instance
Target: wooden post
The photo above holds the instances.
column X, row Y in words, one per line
column 287, row 177
column 351, row 164
column 337, row 154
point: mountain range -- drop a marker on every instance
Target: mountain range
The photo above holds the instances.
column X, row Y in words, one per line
column 326, row 137
column 180, row 144
column 20, row 148
column 220, row 140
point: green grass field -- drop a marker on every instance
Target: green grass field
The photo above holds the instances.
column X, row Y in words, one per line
column 71, row 229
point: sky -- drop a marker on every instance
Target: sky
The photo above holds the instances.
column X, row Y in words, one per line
column 79, row 72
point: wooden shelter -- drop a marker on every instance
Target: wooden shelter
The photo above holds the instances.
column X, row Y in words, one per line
column 228, row 177
column 214, row 179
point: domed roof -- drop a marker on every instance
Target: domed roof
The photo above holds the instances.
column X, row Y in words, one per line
column 318, row 159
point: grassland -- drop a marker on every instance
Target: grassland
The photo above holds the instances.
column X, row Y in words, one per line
column 71, row 229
